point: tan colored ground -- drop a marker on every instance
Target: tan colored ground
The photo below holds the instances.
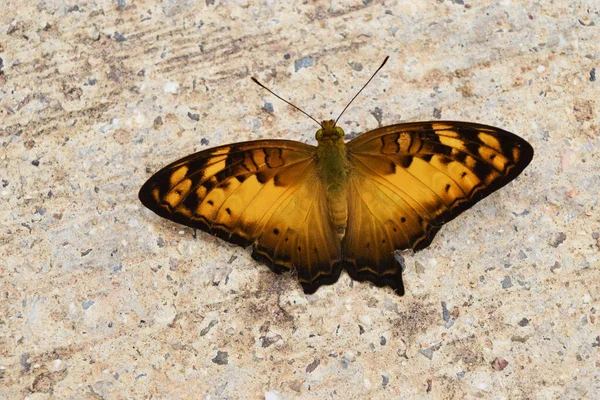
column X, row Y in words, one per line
column 100, row 298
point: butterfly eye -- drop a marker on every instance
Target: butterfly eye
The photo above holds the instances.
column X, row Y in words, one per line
column 319, row 134
column 339, row 131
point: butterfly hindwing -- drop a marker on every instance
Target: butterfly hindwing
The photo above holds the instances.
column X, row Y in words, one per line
column 299, row 236
column 261, row 193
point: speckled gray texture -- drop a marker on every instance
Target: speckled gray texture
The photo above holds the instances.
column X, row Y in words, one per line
column 100, row 298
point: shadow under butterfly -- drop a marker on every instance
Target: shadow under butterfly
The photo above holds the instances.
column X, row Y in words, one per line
column 338, row 206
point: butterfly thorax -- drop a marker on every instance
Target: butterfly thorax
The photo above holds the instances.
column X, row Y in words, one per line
column 332, row 164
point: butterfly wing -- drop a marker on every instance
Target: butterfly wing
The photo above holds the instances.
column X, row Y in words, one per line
column 407, row 180
column 262, row 193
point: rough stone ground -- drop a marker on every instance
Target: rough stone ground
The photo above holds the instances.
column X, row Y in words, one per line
column 100, row 298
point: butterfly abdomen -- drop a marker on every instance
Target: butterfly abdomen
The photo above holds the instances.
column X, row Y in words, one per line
column 333, row 166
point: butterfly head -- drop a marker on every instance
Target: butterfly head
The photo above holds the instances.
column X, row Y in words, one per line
column 329, row 131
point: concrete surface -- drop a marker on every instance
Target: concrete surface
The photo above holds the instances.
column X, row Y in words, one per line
column 100, row 298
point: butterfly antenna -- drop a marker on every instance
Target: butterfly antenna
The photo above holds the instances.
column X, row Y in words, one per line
column 361, row 89
column 284, row 100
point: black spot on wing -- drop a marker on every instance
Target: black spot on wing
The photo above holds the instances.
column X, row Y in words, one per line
column 391, row 168
column 405, row 161
column 428, row 134
column 262, row 177
column 277, row 180
column 444, row 159
column 468, row 132
column 192, row 202
column 482, row 169
column 473, row 148
column 240, row 178
column 426, row 157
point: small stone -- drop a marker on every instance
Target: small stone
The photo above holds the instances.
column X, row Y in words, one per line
column 384, row 380
column 119, row 38
column 87, row 304
column 221, row 358
column 303, row 63
column 382, row 341
column 195, row 117
column 209, row 327
column 437, row 113
column 593, row 75
column 158, row 121
column 25, row 364
column 428, row 352
column 445, row 312
column 506, row 282
column 312, row 366
column 348, row 358
column 524, row 322
column 499, row 364
column 269, row 340
column 268, row 107
column 356, row 66
column 519, row 339
column 522, row 255
column 365, row 319
column 377, row 113
column 557, row 239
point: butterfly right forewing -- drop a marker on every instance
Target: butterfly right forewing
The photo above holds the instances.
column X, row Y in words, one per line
column 407, row 180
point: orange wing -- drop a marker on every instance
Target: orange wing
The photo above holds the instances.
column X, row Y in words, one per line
column 262, row 193
column 407, row 180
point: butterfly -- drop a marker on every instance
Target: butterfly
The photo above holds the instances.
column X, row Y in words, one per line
column 338, row 206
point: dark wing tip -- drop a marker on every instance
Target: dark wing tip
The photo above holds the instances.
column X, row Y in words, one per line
column 393, row 280
column 328, row 279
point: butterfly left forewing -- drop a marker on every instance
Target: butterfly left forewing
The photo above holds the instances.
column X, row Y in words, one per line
column 228, row 190
column 263, row 193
